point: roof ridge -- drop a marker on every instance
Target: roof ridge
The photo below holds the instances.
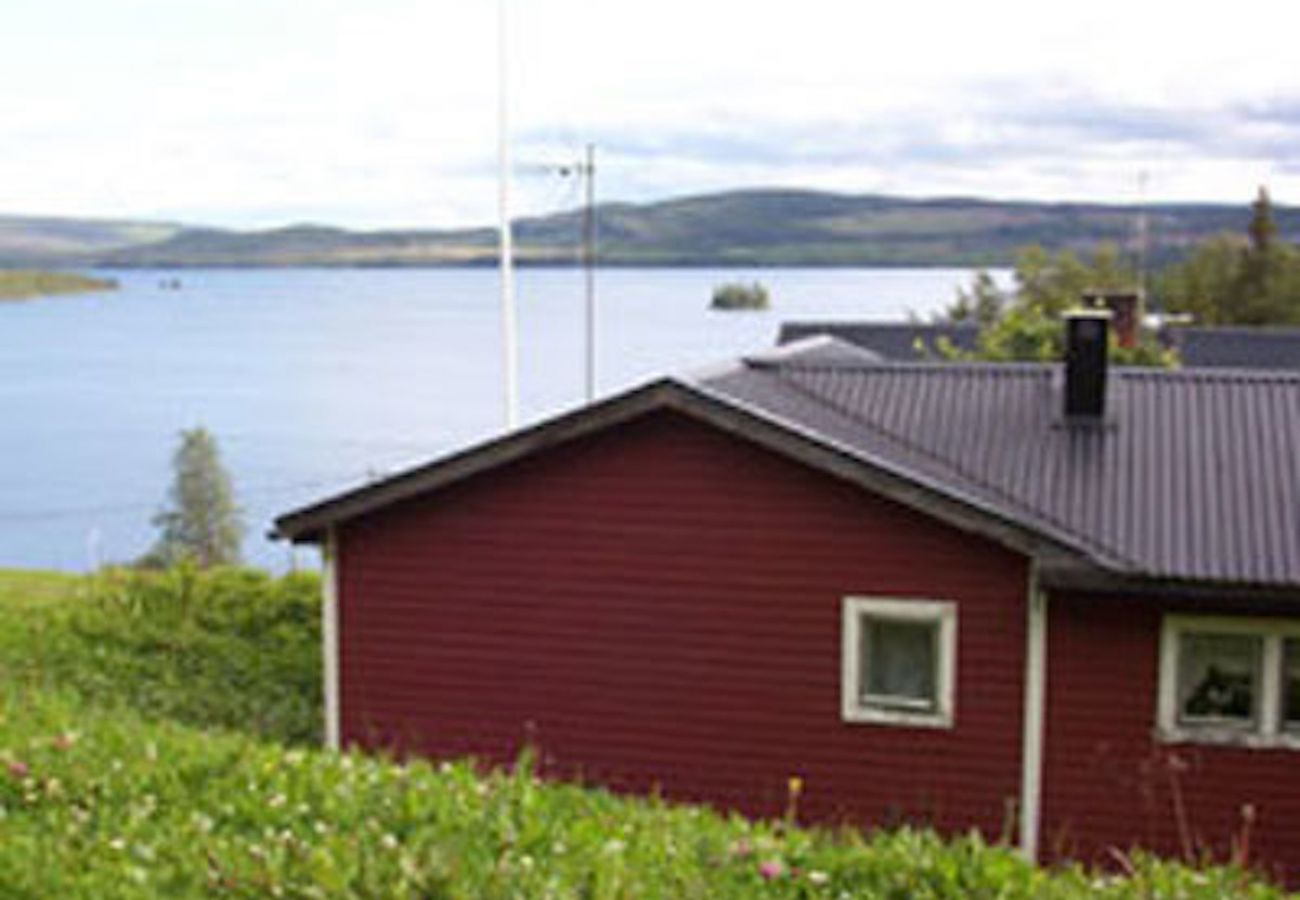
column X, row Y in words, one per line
column 1027, row 369
column 868, row 323
column 1018, row 368
column 1096, row 548
column 1227, row 374
column 1281, row 330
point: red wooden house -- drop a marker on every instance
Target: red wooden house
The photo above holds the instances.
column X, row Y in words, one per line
column 1052, row 603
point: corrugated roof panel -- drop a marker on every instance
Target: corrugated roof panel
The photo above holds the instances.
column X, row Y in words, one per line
column 1193, row 474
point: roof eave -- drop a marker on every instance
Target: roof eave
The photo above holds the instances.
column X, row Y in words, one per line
column 309, row 524
column 1065, row 574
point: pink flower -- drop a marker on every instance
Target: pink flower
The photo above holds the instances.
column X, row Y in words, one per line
column 771, row 868
column 18, row 769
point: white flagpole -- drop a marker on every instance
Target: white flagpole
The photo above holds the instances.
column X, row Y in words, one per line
column 509, row 335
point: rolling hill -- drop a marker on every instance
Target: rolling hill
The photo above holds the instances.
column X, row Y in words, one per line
column 751, row 227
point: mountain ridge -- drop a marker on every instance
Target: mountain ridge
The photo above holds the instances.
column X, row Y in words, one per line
column 748, row 227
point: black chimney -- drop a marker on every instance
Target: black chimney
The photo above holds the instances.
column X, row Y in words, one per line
column 1086, row 337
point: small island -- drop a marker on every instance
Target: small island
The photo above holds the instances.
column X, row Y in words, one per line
column 738, row 296
column 26, row 284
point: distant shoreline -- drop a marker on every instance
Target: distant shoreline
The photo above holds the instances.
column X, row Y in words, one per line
column 539, row 264
column 738, row 229
column 32, row 284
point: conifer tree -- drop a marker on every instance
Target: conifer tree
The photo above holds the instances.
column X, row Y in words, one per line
column 202, row 524
column 1262, row 227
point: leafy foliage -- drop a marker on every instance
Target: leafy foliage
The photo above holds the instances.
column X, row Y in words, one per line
column 227, row 648
column 736, row 295
column 202, row 523
column 981, row 305
column 1026, row 324
column 1231, row 280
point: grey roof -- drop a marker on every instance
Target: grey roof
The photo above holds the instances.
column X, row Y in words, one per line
column 1191, row 482
column 1193, row 475
column 1244, row 348
column 902, row 341
column 1198, row 346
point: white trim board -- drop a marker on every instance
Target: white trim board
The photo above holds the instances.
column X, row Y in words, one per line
column 1031, row 752
column 329, row 611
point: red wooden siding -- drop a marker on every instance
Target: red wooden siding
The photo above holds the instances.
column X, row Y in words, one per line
column 1109, row 783
column 659, row 606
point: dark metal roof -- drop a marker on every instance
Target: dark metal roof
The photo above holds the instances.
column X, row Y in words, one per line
column 1242, row 348
column 1193, row 475
column 1198, row 346
column 1192, row 481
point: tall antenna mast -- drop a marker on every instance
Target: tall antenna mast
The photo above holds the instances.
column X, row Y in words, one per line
column 589, row 263
column 509, row 335
column 1143, row 236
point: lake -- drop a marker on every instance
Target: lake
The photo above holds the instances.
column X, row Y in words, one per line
column 317, row 380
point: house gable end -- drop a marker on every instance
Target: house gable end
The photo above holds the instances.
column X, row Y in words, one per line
column 713, row 410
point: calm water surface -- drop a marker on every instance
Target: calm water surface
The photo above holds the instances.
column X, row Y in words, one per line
column 315, row 380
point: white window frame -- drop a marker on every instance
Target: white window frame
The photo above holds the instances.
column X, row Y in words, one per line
column 939, row 612
column 1268, row 730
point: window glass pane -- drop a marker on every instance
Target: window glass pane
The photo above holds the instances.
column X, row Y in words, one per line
column 899, row 662
column 1218, row 678
column 1291, row 684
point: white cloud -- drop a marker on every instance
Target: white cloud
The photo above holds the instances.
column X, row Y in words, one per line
column 242, row 112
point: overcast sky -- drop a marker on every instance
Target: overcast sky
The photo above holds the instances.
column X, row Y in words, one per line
column 377, row 113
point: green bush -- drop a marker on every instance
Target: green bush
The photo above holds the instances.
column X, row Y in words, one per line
column 225, row 648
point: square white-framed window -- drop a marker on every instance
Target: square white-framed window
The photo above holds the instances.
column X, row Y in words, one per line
column 899, row 661
column 1230, row 680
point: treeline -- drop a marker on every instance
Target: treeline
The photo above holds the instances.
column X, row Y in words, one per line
column 1236, row 280
column 1230, row 279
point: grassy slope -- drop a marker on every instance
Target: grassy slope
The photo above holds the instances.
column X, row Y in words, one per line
column 24, row 284
column 126, row 770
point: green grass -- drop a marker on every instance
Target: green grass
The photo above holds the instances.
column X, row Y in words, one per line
column 229, row 649
column 141, row 771
column 24, row 284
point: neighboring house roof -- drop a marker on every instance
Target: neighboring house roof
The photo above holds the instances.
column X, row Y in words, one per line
column 899, row 341
column 1236, row 347
column 1198, row 346
column 1193, row 476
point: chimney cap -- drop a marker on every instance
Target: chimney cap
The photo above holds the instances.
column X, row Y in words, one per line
column 1087, row 312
